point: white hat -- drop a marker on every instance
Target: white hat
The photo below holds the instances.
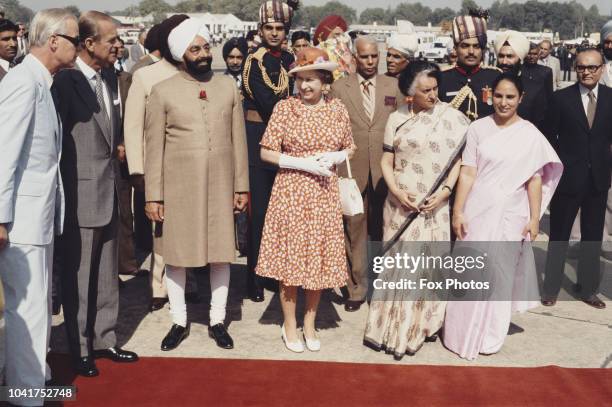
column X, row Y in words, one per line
column 406, row 44
column 183, row 35
column 517, row 41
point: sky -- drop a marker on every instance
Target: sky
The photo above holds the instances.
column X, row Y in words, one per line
column 604, row 5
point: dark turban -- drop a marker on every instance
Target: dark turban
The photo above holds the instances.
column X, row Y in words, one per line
column 152, row 43
column 237, row 42
column 326, row 26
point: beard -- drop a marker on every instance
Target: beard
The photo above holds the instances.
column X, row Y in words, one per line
column 513, row 69
column 197, row 68
column 608, row 53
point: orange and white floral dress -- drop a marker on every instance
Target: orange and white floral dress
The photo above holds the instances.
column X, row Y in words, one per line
column 303, row 236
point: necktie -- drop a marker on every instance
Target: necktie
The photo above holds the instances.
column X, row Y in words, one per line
column 368, row 102
column 100, row 98
column 591, row 108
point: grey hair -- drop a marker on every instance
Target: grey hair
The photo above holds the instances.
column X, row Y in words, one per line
column 546, row 40
column 412, row 88
column 47, row 23
column 366, row 40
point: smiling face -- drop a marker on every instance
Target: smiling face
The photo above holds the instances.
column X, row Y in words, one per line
column 310, row 86
column 506, row 99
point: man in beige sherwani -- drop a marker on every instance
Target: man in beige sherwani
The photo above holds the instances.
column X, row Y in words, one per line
column 196, row 174
column 142, row 81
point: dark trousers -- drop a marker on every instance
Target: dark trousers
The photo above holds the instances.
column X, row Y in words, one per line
column 563, row 210
column 261, row 180
column 127, row 258
column 90, row 290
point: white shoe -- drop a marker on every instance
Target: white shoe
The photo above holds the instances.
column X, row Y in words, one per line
column 313, row 345
column 297, row 346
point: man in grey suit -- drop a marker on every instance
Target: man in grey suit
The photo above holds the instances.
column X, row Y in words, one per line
column 31, row 197
column 138, row 50
column 550, row 61
column 90, row 110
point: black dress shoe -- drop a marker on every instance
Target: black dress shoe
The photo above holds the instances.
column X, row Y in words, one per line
column 594, row 302
column 193, row 298
column 256, row 294
column 116, row 354
column 158, row 303
column 86, row 367
column 221, row 337
column 174, row 337
column 352, row 306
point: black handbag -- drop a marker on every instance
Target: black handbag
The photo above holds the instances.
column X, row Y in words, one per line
column 241, row 227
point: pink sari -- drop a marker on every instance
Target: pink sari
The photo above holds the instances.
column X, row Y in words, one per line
column 497, row 210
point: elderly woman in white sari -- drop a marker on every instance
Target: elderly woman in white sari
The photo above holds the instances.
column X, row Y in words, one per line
column 420, row 165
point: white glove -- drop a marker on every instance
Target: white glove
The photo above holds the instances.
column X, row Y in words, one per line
column 307, row 164
column 332, row 157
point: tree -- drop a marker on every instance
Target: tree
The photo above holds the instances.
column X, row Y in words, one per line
column 147, row 7
column 310, row 16
column 440, row 15
column 466, row 6
column 414, row 12
column 15, row 11
column 373, row 15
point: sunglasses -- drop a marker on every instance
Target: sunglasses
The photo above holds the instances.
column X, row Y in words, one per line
column 590, row 68
column 73, row 40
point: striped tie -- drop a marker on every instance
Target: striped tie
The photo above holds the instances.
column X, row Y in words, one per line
column 368, row 101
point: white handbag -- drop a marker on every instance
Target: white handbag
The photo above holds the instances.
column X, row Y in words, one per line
column 350, row 196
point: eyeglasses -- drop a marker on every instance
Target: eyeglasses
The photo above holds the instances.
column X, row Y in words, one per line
column 73, row 40
column 590, row 68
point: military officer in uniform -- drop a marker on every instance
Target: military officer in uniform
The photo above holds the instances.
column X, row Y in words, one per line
column 265, row 82
column 467, row 85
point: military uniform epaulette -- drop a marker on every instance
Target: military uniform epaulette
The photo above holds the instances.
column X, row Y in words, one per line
column 492, row 68
column 283, row 79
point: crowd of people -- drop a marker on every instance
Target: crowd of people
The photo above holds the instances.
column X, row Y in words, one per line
column 102, row 158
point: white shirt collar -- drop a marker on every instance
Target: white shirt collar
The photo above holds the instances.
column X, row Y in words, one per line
column 5, row 64
column 43, row 70
column 87, row 70
column 584, row 91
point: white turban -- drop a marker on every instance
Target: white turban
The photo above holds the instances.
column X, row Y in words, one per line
column 406, row 44
column 606, row 30
column 517, row 41
column 184, row 34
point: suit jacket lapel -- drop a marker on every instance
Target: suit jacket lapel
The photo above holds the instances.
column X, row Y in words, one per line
column 379, row 99
column 89, row 97
column 354, row 91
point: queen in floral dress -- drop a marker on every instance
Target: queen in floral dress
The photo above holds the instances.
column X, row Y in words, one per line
column 303, row 239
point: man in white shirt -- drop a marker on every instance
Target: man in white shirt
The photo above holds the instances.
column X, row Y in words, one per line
column 550, row 61
column 8, row 45
column 31, row 197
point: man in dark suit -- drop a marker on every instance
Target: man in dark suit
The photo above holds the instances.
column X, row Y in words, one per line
column 369, row 98
column 579, row 126
column 538, row 85
column 88, row 104
column 512, row 48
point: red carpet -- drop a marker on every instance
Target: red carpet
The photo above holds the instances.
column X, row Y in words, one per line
column 224, row 382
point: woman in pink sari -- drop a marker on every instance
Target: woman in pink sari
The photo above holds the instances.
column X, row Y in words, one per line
column 508, row 176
